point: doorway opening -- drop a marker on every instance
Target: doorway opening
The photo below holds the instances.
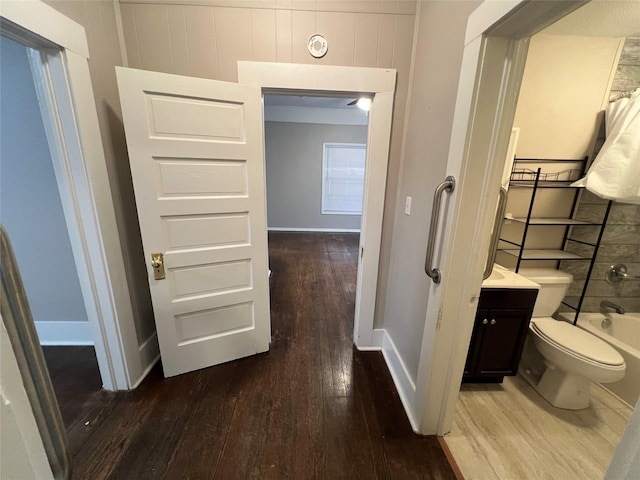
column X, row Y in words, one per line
column 229, row 147
column 560, row 80
column 379, row 85
column 32, row 213
column 315, row 163
column 59, row 64
column 315, row 157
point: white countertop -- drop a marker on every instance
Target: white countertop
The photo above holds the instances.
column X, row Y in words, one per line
column 504, row 278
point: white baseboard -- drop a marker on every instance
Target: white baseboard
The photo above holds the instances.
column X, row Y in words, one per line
column 64, row 333
column 149, row 350
column 368, row 348
column 149, row 356
column 376, row 342
column 331, row 230
column 401, row 378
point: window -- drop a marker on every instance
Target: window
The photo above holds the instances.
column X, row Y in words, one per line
column 343, row 178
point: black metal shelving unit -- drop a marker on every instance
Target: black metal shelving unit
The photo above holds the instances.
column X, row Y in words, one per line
column 538, row 180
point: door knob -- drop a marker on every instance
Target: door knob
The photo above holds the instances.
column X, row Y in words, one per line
column 485, row 321
column 493, row 321
column 157, row 262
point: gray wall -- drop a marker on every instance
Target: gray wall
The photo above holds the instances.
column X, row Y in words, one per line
column 30, row 207
column 294, row 173
column 99, row 19
column 208, row 39
column 434, row 85
column 621, row 240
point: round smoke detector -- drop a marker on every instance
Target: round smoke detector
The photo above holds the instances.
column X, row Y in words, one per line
column 318, row 46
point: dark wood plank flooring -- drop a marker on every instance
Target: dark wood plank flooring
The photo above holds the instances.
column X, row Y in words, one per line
column 312, row 407
column 76, row 379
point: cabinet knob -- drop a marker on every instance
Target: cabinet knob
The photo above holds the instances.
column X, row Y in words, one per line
column 485, row 321
column 493, row 321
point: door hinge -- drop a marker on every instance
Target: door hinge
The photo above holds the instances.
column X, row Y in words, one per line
column 439, row 319
column 361, row 252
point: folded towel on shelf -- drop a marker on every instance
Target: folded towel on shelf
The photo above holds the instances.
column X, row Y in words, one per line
column 615, row 172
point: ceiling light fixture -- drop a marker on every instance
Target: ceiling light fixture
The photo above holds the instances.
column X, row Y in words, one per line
column 364, row 103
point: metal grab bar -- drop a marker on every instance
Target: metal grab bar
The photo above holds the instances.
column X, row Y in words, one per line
column 618, row 273
column 448, row 185
column 495, row 237
column 17, row 319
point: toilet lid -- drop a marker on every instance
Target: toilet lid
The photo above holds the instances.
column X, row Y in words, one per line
column 577, row 341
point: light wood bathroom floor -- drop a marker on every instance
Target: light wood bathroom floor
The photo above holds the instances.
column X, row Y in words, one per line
column 508, row 432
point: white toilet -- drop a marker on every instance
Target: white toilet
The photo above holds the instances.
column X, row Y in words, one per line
column 559, row 359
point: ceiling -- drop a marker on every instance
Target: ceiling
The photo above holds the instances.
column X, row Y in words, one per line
column 600, row 18
column 308, row 101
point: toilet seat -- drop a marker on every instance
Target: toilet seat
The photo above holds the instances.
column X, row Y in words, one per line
column 577, row 342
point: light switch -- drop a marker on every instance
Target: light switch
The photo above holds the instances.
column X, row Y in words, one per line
column 407, row 206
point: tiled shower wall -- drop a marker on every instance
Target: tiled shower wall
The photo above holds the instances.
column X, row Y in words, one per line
column 628, row 72
column 621, row 240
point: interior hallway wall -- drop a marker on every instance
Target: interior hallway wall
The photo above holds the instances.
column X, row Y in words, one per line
column 31, row 209
column 208, row 39
column 437, row 59
column 294, row 153
column 100, row 21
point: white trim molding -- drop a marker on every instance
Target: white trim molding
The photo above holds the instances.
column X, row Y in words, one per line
column 493, row 62
column 63, row 83
column 402, row 380
column 327, row 230
column 23, row 454
column 404, row 384
column 64, row 333
column 149, row 355
column 36, row 17
column 380, row 83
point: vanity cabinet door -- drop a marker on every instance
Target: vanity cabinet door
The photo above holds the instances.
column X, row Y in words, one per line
column 475, row 347
column 502, row 342
column 499, row 331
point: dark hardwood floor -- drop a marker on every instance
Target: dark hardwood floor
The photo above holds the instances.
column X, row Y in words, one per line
column 312, row 407
column 76, row 380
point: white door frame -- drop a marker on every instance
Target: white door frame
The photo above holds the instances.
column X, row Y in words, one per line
column 492, row 66
column 353, row 80
column 61, row 75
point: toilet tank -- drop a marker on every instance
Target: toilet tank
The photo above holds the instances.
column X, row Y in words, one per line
column 553, row 288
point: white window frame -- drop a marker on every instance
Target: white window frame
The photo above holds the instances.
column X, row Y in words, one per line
column 325, row 148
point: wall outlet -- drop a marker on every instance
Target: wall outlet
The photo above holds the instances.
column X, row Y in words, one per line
column 407, row 206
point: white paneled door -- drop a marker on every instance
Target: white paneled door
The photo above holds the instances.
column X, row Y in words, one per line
column 197, row 163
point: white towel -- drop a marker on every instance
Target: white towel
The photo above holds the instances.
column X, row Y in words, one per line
column 615, row 172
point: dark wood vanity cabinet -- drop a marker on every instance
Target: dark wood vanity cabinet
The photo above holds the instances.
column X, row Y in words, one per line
column 500, row 328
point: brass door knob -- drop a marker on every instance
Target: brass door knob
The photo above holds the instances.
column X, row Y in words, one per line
column 157, row 262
